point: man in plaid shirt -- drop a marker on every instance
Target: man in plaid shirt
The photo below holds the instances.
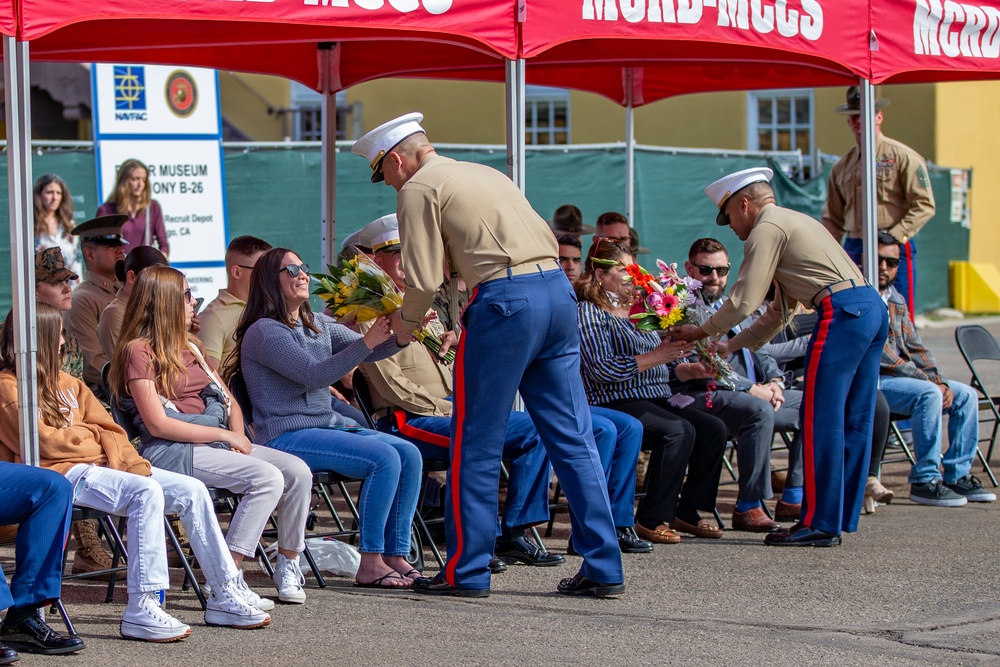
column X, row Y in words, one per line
column 913, row 385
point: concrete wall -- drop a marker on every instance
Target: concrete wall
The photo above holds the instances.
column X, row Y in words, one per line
column 245, row 101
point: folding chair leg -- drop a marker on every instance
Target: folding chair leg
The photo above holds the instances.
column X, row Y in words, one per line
column 552, row 514
column 188, row 570
column 718, row 518
column 986, row 466
column 65, row 618
column 325, row 495
column 320, row 581
column 118, row 551
column 422, row 527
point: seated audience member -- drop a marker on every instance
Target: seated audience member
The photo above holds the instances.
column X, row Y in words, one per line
column 52, row 286
column 570, row 255
column 913, row 385
column 40, row 503
column 77, row 438
column 110, row 324
column 289, row 356
column 189, row 424
column 569, row 220
column 101, row 244
column 220, row 317
column 613, row 226
column 754, row 408
column 628, row 370
column 412, row 394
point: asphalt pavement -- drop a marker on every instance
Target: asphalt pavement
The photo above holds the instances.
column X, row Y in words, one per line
column 914, row 585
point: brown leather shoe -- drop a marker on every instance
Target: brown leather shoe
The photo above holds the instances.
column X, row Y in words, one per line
column 661, row 535
column 704, row 528
column 755, row 521
column 783, row 510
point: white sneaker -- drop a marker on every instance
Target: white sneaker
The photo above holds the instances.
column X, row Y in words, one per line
column 249, row 595
column 227, row 606
column 144, row 619
column 289, row 580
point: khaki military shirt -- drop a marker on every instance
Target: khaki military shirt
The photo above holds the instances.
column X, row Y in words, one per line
column 792, row 250
column 410, row 380
column 218, row 324
column 903, row 188
column 90, row 298
column 470, row 216
column 110, row 324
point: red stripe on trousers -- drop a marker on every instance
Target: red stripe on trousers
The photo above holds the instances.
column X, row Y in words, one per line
column 909, row 280
column 456, row 452
column 810, row 406
column 411, row 431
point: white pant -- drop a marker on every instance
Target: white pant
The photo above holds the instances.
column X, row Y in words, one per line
column 144, row 500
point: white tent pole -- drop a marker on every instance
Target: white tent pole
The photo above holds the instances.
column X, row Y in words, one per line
column 629, row 150
column 17, row 95
column 328, row 170
column 515, row 121
column 869, row 222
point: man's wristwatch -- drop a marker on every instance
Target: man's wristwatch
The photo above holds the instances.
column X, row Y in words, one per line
column 778, row 381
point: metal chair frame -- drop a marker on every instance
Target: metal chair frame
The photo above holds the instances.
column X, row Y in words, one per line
column 975, row 343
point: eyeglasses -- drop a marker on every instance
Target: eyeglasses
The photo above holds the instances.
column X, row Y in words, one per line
column 295, row 269
column 244, row 266
column 188, row 298
column 704, row 270
column 614, row 239
column 890, row 262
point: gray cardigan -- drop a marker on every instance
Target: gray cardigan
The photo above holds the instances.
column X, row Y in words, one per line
column 289, row 370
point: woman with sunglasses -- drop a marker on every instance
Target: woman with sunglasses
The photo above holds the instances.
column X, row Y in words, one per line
column 289, row 357
column 629, row 370
column 78, row 439
column 189, row 424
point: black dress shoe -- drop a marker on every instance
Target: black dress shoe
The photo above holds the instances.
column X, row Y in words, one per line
column 8, row 655
column 801, row 535
column 497, row 565
column 439, row 586
column 581, row 585
column 630, row 543
column 33, row 635
column 522, row 550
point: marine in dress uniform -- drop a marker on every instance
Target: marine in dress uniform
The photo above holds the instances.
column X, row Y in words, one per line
column 520, row 333
column 102, row 243
column 842, row 362
column 903, row 190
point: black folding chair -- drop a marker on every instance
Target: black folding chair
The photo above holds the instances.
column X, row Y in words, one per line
column 978, row 345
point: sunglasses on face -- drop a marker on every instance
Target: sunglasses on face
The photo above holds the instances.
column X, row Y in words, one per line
column 295, row 269
column 723, row 271
column 188, row 298
column 890, row 262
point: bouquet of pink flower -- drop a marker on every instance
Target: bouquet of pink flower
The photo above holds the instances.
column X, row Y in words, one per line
column 667, row 299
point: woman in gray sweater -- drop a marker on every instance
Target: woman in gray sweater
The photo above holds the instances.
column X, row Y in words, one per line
column 289, row 357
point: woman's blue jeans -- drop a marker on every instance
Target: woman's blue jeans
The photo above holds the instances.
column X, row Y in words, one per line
column 391, row 469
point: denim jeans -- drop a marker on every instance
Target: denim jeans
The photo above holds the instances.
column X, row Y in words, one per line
column 144, row 500
column 922, row 400
column 390, row 467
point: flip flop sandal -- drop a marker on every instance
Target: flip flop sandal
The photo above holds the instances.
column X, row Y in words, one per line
column 378, row 583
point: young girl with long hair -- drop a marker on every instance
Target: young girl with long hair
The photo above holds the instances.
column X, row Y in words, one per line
column 189, row 424
column 54, row 220
column 77, row 438
column 132, row 196
column 289, row 357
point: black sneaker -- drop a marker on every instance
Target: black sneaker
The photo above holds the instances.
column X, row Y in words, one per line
column 973, row 491
column 935, row 493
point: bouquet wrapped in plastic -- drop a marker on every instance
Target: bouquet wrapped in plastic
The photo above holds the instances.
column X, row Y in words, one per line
column 358, row 290
column 667, row 299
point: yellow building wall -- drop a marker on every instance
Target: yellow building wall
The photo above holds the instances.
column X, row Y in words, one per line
column 246, row 99
column 454, row 111
column 966, row 136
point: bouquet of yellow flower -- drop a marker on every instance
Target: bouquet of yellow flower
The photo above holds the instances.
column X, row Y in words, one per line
column 358, row 290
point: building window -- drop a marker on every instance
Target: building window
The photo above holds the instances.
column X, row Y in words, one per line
column 782, row 120
column 307, row 114
column 546, row 119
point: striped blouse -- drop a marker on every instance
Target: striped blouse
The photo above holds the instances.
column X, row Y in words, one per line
column 608, row 348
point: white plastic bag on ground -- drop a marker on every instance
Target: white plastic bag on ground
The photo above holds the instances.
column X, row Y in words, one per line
column 333, row 556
